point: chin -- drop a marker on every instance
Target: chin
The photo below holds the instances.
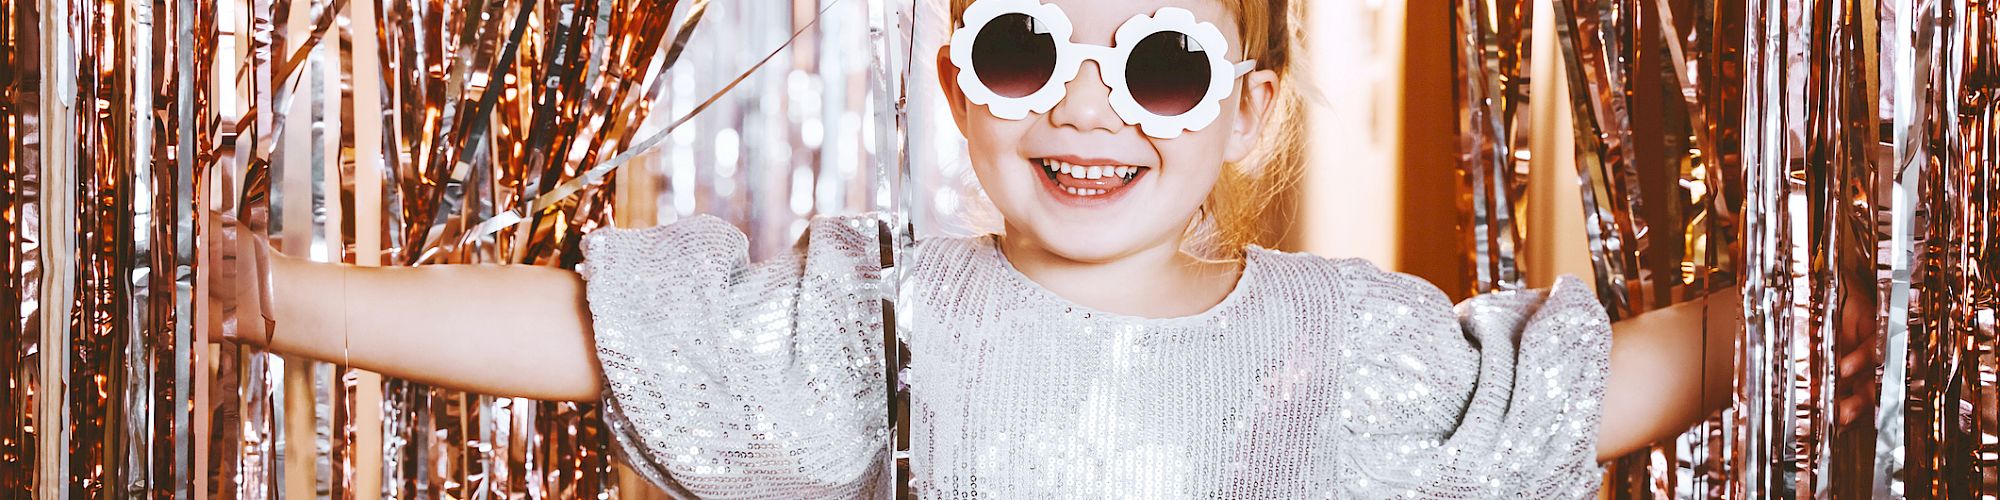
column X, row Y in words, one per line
column 1092, row 241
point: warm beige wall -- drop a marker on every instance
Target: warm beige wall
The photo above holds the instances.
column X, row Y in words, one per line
column 1396, row 201
column 1428, row 243
column 1350, row 185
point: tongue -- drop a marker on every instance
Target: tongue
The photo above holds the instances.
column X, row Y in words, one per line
column 1107, row 183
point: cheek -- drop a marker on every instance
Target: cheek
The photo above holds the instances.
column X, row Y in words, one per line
column 993, row 142
column 1195, row 160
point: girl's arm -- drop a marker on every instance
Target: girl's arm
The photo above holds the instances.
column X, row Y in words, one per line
column 1664, row 376
column 509, row 331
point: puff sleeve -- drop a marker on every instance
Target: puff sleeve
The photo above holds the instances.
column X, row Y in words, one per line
column 1497, row 397
column 725, row 379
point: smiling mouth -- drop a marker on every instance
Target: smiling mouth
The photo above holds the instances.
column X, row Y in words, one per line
column 1089, row 181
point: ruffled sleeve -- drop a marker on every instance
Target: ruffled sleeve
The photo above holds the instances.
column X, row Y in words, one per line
column 725, row 379
column 1498, row 397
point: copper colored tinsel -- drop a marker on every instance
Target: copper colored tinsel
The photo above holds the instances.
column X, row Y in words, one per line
column 1954, row 399
column 20, row 71
column 1837, row 159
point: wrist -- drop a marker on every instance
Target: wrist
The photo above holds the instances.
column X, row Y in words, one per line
column 268, row 264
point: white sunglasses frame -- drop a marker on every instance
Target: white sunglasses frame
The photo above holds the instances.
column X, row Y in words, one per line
column 1110, row 60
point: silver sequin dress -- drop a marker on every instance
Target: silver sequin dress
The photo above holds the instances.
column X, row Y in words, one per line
column 1314, row 378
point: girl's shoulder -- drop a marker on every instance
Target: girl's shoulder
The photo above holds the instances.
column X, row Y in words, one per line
column 1353, row 279
column 710, row 246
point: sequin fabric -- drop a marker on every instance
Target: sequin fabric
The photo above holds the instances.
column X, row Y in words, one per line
column 1314, row 378
column 731, row 380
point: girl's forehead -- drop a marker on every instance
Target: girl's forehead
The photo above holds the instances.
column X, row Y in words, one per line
column 1097, row 20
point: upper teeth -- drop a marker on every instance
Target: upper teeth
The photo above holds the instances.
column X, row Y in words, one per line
column 1091, row 172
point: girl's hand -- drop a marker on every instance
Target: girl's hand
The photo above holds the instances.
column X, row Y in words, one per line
column 1856, row 347
column 239, row 256
column 239, row 289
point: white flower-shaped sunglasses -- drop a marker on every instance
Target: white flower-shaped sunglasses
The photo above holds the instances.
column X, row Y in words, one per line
column 1167, row 72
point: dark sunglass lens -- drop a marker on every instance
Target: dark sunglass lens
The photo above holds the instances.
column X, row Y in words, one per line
column 1168, row 73
column 1014, row 55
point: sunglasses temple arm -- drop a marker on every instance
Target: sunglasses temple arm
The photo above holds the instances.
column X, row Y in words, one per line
column 1245, row 67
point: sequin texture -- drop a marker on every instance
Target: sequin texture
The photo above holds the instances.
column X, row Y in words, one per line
column 1314, row 378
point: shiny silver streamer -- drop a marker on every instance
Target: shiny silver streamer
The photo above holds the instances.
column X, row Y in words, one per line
column 1494, row 41
column 786, row 146
column 1593, row 35
column 893, row 39
column 1770, row 353
column 1648, row 83
column 1867, row 179
column 1815, row 294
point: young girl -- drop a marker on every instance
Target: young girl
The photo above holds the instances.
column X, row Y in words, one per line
column 1083, row 352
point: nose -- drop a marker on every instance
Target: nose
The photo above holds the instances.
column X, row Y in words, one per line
column 1086, row 105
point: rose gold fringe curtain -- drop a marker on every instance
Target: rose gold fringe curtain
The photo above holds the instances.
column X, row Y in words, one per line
column 1836, row 162
column 100, row 110
column 378, row 133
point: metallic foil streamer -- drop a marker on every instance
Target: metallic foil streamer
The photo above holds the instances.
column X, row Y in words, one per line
column 893, row 36
column 1763, row 387
column 1951, row 137
column 1846, row 181
column 1595, row 36
column 1853, row 141
column 20, row 96
column 486, row 105
column 1814, row 294
column 1653, row 91
column 120, row 382
column 1491, row 71
column 493, row 105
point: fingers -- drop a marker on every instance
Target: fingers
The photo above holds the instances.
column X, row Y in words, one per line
column 1851, row 409
column 260, row 277
column 1855, row 384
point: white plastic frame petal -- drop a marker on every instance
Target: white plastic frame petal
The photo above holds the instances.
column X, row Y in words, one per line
column 1070, row 57
column 1014, row 108
column 1221, row 74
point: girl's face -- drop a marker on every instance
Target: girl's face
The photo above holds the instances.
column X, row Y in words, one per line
column 1148, row 190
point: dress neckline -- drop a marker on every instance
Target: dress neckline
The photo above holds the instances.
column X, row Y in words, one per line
column 991, row 250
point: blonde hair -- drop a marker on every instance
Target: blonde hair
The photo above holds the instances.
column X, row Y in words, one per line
column 1233, row 214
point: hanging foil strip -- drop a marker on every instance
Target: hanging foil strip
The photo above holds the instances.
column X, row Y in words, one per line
column 1899, row 104
column 1652, row 89
column 1845, row 183
column 1760, row 405
column 894, row 46
column 1494, row 41
column 112, row 399
column 1815, row 271
column 187, row 141
column 120, row 381
column 57, row 244
column 259, row 390
column 1952, row 141
column 1594, row 35
column 158, row 393
column 20, row 180
column 100, row 325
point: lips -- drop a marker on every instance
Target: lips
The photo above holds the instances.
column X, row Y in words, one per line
column 1089, row 179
